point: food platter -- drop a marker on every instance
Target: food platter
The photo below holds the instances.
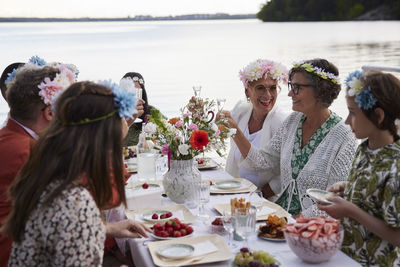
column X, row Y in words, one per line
column 320, row 196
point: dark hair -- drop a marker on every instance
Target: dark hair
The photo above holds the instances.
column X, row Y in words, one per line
column 324, row 90
column 87, row 154
column 23, row 92
column 10, row 68
column 385, row 87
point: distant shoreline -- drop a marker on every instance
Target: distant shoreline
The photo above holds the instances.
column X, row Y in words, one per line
column 217, row 16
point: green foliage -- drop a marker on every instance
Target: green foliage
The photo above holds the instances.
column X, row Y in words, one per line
column 316, row 10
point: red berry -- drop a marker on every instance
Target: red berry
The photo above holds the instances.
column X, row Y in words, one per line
column 145, row 185
column 183, row 232
column 157, row 233
column 155, row 216
column 162, row 216
column 189, row 230
column 157, row 226
column 211, row 183
column 164, row 234
column 126, row 165
column 168, row 214
column 170, row 230
column 176, row 220
column 177, row 234
column 177, row 227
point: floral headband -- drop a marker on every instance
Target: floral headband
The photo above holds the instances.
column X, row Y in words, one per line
column 35, row 60
column 134, row 79
column 317, row 71
column 363, row 95
column 261, row 69
column 124, row 102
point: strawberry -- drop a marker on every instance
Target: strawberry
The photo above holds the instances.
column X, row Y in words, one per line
column 183, row 232
column 211, row 183
column 189, row 230
column 155, row 216
column 177, row 226
column 177, row 234
column 176, row 220
column 157, row 226
column 162, row 216
column 168, row 214
column 145, row 185
column 169, row 223
column 170, row 230
column 164, row 234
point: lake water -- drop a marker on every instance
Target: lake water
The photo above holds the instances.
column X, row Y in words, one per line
column 173, row 56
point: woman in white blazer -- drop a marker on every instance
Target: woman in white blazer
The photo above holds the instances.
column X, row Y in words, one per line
column 259, row 117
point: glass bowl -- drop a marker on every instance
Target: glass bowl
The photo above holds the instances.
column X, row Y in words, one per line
column 315, row 250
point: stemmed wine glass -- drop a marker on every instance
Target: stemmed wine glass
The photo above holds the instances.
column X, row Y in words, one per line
column 220, row 103
column 139, row 95
column 256, row 198
column 245, row 223
column 227, row 220
column 197, row 90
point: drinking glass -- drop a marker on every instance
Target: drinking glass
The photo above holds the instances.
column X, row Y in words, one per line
column 220, row 103
column 204, row 197
column 256, row 199
column 161, row 165
column 245, row 223
column 192, row 202
column 197, row 90
column 227, row 220
column 139, row 95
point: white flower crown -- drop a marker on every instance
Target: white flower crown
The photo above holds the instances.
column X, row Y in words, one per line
column 318, row 71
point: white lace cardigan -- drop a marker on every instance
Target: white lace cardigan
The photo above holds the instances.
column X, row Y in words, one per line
column 330, row 162
column 241, row 114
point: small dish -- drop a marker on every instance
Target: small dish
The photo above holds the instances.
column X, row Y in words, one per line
column 320, row 196
column 175, row 251
column 150, row 186
column 228, row 184
column 148, row 216
column 271, row 239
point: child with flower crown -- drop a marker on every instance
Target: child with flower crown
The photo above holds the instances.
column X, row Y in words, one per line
column 55, row 220
column 370, row 207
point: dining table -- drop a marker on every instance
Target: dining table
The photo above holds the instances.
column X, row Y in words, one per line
column 139, row 247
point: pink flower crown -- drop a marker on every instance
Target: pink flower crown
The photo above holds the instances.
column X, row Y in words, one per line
column 50, row 88
column 262, row 69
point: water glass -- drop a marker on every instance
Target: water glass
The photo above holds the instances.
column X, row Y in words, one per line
column 256, row 199
column 227, row 220
column 197, row 90
column 139, row 93
column 193, row 201
column 161, row 165
column 204, row 197
column 245, row 223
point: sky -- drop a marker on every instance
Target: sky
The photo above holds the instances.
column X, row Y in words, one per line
column 123, row 8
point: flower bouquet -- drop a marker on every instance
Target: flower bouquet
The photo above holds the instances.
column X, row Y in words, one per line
column 184, row 137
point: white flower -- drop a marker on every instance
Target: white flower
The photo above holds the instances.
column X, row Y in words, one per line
column 184, row 149
column 214, row 127
column 128, row 85
column 150, row 128
column 356, row 85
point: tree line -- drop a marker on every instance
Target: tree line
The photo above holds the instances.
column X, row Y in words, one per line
column 323, row 10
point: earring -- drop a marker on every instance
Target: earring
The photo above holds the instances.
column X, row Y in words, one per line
column 248, row 99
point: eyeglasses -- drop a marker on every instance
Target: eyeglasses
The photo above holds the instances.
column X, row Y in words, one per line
column 295, row 87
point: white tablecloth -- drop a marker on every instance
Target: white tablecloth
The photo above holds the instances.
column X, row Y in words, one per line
column 280, row 251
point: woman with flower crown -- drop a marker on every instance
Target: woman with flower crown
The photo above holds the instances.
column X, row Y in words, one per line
column 370, row 207
column 69, row 177
column 258, row 118
column 312, row 148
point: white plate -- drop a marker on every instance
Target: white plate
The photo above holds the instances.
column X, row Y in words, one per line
column 271, row 239
column 228, row 184
column 175, row 251
column 168, row 238
column 147, row 216
column 320, row 195
column 151, row 186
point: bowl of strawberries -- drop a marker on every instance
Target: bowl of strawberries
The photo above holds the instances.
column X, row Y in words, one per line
column 217, row 226
column 171, row 229
column 314, row 240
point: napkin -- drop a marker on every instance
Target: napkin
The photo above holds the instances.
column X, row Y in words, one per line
column 265, row 211
column 203, row 248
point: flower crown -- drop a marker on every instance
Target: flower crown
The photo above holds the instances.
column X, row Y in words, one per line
column 134, row 79
column 317, row 71
column 363, row 95
column 261, row 69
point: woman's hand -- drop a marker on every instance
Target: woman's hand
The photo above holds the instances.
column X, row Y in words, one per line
column 224, row 114
column 338, row 188
column 339, row 209
column 127, row 228
column 140, row 110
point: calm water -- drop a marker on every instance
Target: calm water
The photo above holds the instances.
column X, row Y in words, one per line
column 174, row 56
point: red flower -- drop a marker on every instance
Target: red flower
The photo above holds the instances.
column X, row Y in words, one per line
column 199, row 139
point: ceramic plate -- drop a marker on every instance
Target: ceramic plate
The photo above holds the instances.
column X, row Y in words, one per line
column 148, row 216
column 151, row 186
column 271, row 239
column 228, row 184
column 320, row 195
column 208, row 164
column 168, row 238
column 175, row 251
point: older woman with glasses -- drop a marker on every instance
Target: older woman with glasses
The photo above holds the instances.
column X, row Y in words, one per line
column 313, row 148
column 258, row 117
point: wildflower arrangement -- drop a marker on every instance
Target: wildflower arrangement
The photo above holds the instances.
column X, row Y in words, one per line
column 262, row 69
column 363, row 95
column 192, row 133
column 318, row 71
